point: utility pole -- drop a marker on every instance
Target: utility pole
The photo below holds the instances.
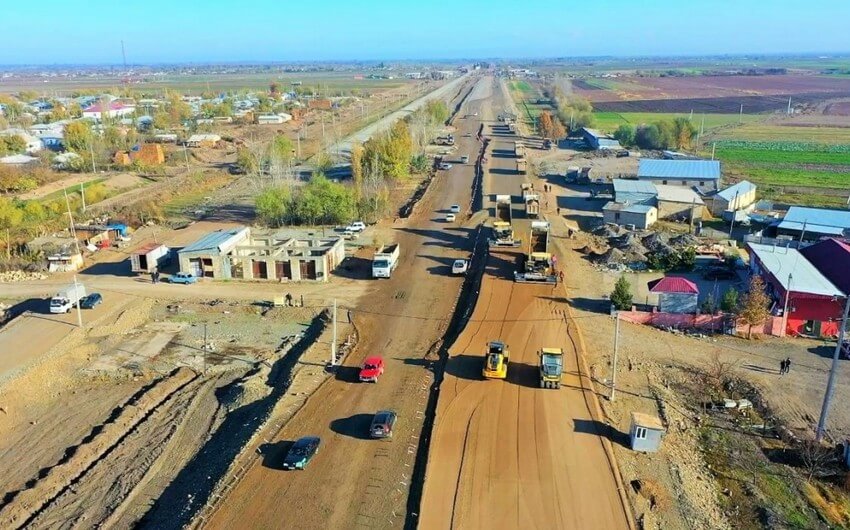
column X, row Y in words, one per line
column 713, row 147
column 83, row 195
column 830, row 385
column 186, row 155
column 693, row 207
column 804, row 230
column 734, row 209
column 616, row 351
column 787, row 303
column 79, row 311
column 91, row 152
column 741, row 116
column 333, row 343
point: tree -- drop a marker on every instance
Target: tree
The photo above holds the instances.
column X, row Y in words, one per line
column 729, row 302
column 558, row 129
column 246, row 161
column 684, row 133
column 280, row 149
column 544, row 124
column 10, row 219
column 437, row 110
column 625, row 134
column 12, row 144
column 273, row 206
column 78, row 137
column 755, row 305
column 357, row 170
column 718, row 372
column 648, row 137
column 621, row 297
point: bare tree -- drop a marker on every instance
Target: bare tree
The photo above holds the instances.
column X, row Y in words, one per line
column 719, row 371
column 815, row 458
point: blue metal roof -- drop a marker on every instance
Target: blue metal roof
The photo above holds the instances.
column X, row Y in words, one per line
column 679, row 169
column 817, row 220
column 214, row 240
column 740, row 188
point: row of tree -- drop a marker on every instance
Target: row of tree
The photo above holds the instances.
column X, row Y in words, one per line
column 573, row 111
column 678, row 133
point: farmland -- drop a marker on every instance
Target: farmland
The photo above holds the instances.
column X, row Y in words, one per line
column 773, row 132
column 609, row 121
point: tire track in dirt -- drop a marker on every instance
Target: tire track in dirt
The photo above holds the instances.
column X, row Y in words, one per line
column 28, row 504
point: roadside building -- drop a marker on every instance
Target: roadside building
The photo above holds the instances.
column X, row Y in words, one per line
column 209, row 257
column 203, row 140
column 814, row 303
column 278, row 256
column 702, row 174
column 597, row 140
column 675, row 294
column 678, row 203
column 272, row 119
column 646, row 432
column 831, row 257
column 640, row 216
column 740, row 197
column 811, row 224
column 634, row 191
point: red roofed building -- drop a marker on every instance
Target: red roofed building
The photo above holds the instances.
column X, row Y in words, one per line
column 675, row 294
column 113, row 109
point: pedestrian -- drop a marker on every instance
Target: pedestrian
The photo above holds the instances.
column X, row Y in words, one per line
column 782, row 367
column 561, row 276
column 302, row 300
column 153, row 277
column 787, row 365
column 559, row 210
column 288, row 300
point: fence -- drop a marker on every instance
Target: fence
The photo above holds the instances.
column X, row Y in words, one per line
column 718, row 323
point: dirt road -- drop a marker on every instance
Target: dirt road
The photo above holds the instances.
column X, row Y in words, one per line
column 354, row 480
column 507, row 454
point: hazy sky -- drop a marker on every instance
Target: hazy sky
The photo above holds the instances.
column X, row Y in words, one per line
column 90, row 31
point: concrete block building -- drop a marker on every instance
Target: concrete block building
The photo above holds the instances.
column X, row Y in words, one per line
column 675, row 294
column 741, row 196
column 209, row 257
column 642, row 216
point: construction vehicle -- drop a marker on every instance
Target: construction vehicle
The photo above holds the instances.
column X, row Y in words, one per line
column 521, row 166
column 385, row 261
column 519, row 149
column 503, row 232
column 538, row 265
column 551, row 367
column 531, row 200
column 67, row 298
column 496, row 360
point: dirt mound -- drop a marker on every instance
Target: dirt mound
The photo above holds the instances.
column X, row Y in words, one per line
column 607, row 231
column 684, row 240
column 656, row 243
column 613, row 256
column 249, row 389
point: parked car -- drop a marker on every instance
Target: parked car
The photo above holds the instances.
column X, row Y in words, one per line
column 719, row 274
column 382, row 424
column 450, row 217
column 356, row 226
column 91, row 300
column 460, row 266
column 350, row 234
column 464, row 159
column 301, row 452
column 373, row 368
column 454, row 208
column 444, row 166
column 183, row 277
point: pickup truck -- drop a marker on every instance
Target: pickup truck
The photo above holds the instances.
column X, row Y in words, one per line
column 385, row 261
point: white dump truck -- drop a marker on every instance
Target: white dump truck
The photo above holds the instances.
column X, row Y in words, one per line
column 67, row 298
column 385, row 261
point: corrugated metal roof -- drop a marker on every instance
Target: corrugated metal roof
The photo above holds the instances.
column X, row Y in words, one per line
column 738, row 189
column 817, row 220
column 214, row 240
column 681, row 194
column 628, row 208
column 783, row 262
column 608, row 143
column 679, row 169
column 633, row 186
column 673, row 284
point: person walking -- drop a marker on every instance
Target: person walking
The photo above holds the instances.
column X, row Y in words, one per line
column 782, row 367
column 288, row 300
column 787, row 365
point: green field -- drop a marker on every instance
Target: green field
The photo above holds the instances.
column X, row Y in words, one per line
column 780, row 133
column 522, row 86
column 609, row 121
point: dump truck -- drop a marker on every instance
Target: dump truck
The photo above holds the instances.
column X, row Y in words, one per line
column 67, row 298
column 149, row 258
column 532, row 207
column 521, row 166
column 551, row 367
column 503, row 232
column 519, row 149
column 526, row 189
column 496, row 360
column 537, row 265
column 385, row 261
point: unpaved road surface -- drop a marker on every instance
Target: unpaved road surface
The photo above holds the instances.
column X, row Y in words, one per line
column 355, row 481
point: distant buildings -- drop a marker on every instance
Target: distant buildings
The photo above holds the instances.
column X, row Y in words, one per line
column 203, row 140
column 812, row 224
column 597, row 140
column 736, row 198
column 113, row 109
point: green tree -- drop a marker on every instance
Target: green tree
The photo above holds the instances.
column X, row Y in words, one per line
column 78, row 137
column 438, row 110
column 755, row 305
column 280, row 149
column 273, row 206
column 625, row 134
column 622, row 297
column 729, row 302
column 10, row 220
column 13, row 144
column 648, row 137
column 684, row 133
column 357, row 170
column 246, row 161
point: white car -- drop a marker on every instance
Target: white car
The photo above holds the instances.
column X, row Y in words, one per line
column 444, row 166
column 455, row 208
column 459, row 267
column 450, row 217
column 464, row 159
column 356, row 226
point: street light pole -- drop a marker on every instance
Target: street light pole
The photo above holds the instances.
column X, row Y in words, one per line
column 827, row 397
column 79, row 301
column 616, row 351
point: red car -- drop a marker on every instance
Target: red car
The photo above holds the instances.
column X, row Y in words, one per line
column 373, row 367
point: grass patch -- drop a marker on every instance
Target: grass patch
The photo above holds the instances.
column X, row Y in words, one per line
column 780, row 133
column 74, row 189
column 764, row 156
column 609, row 121
column 522, row 86
column 794, row 177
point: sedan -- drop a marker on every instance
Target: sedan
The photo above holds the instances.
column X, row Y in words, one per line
column 459, row 267
column 382, row 424
column 455, row 208
column 301, row 452
column 183, row 277
column 450, row 217
column 91, row 300
column 444, row 166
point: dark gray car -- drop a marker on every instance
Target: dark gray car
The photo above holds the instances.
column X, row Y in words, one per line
column 382, row 424
column 301, row 452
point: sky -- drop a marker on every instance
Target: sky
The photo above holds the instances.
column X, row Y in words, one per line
column 173, row 31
